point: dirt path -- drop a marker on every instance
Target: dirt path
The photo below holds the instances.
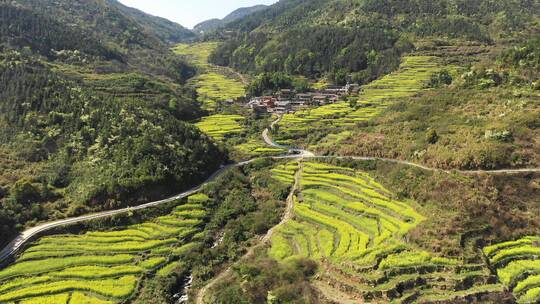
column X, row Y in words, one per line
column 289, row 212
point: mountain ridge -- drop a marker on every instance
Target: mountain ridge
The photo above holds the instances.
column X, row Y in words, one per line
column 215, row 23
column 333, row 38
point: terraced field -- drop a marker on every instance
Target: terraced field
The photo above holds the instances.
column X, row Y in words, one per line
column 216, row 84
column 358, row 231
column 213, row 83
column 411, row 78
column 102, row 267
column 221, row 126
column 256, row 147
column 517, row 264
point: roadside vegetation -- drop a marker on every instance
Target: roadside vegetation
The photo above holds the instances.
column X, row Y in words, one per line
column 107, row 265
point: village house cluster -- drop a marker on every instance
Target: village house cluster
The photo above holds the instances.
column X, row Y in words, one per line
column 289, row 101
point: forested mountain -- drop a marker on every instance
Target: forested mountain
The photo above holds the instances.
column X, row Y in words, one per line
column 162, row 28
column 213, row 24
column 208, row 25
column 421, row 185
column 365, row 38
column 93, row 111
column 101, row 29
column 243, row 12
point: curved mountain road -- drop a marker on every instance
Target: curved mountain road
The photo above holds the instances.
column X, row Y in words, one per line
column 13, row 247
column 293, row 151
column 27, row 235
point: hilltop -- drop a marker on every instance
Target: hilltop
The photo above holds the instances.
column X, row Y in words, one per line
column 214, row 24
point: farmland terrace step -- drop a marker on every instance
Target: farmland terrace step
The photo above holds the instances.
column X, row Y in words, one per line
column 332, row 295
column 471, row 267
column 483, row 294
column 396, row 287
column 407, row 298
column 504, row 262
column 419, row 269
column 343, row 285
column 401, row 285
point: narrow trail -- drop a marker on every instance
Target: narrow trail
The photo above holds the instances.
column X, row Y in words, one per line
column 289, row 212
column 293, row 153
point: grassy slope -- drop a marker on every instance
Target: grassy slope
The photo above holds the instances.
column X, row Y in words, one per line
column 149, row 254
column 213, row 84
column 409, row 80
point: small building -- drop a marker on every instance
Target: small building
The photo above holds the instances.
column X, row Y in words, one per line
column 306, row 98
column 353, row 88
column 297, row 103
column 332, row 98
column 286, row 94
column 269, row 101
column 283, row 107
column 320, row 100
column 336, row 90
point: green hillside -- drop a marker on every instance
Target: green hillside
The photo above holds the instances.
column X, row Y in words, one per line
column 94, row 114
column 166, row 30
column 214, row 24
column 100, row 30
column 148, row 254
column 443, row 126
column 365, row 38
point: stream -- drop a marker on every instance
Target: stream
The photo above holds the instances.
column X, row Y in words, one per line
column 183, row 296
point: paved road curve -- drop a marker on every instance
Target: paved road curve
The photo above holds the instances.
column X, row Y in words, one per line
column 13, row 247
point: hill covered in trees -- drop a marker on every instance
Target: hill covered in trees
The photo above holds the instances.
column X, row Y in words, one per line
column 362, row 38
column 103, row 30
column 164, row 29
column 93, row 111
column 96, row 113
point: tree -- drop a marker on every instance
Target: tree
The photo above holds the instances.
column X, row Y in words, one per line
column 432, row 137
column 440, row 79
column 24, row 192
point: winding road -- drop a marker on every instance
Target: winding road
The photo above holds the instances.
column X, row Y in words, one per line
column 12, row 248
